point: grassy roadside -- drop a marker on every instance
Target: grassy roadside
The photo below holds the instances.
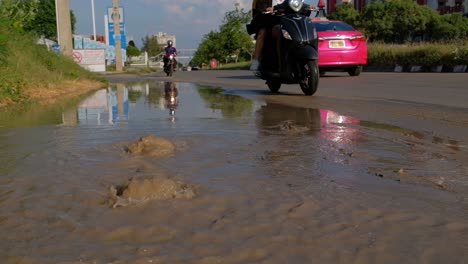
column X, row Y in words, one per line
column 426, row 55
column 29, row 73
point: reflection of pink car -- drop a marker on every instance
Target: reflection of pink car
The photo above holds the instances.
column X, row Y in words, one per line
column 340, row 46
column 334, row 126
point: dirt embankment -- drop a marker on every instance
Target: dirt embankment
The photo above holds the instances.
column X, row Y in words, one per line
column 48, row 94
column 52, row 93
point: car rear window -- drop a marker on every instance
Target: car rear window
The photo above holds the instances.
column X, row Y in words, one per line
column 332, row 26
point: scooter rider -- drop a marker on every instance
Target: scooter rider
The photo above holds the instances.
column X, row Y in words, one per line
column 261, row 25
column 168, row 51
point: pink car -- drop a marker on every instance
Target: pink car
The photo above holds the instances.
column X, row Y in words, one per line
column 341, row 47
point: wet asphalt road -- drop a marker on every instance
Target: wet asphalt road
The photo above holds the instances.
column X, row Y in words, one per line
column 430, row 102
column 372, row 169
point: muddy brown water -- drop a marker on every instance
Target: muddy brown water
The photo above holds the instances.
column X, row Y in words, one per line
column 267, row 183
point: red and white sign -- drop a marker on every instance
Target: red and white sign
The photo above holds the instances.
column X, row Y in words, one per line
column 213, row 63
column 92, row 59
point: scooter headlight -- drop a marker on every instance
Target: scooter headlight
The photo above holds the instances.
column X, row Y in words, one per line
column 171, row 56
column 286, row 34
column 296, row 5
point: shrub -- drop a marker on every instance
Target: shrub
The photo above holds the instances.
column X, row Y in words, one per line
column 426, row 55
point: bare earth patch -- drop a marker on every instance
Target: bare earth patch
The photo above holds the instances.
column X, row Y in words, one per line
column 54, row 92
column 140, row 190
column 152, row 146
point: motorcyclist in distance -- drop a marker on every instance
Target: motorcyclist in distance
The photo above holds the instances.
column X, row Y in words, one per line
column 168, row 50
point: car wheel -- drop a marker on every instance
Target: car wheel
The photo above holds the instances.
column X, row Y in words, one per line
column 355, row 71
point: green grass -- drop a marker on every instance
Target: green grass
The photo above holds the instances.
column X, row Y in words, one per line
column 235, row 66
column 423, row 54
column 26, row 64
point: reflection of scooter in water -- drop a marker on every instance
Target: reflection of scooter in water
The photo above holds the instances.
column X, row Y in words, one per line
column 170, row 95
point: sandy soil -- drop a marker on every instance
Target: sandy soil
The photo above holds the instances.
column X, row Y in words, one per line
column 52, row 93
column 55, row 92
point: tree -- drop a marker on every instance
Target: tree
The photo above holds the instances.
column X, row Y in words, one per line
column 229, row 42
column 37, row 16
column 19, row 12
column 396, row 21
column 346, row 13
column 451, row 26
column 151, row 45
column 234, row 36
column 132, row 51
column 209, row 48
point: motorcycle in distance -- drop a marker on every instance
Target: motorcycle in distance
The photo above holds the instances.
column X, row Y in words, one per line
column 298, row 51
column 171, row 64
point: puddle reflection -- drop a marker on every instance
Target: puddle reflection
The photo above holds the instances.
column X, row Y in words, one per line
column 338, row 127
column 112, row 104
column 170, row 95
column 325, row 123
column 121, row 103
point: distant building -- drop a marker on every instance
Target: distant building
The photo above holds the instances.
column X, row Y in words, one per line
column 164, row 37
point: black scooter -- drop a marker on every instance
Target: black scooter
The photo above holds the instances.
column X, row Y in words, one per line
column 299, row 50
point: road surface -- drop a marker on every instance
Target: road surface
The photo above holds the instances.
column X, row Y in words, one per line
column 432, row 102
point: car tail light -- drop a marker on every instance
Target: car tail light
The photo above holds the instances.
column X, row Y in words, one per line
column 356, row 40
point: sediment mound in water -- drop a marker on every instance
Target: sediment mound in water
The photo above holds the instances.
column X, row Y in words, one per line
column 289, row 127
column 140, row 190
column 153, row 146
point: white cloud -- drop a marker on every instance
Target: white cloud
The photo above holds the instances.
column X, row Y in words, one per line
column 189, row 20
column 186, row 18
column 196, row 10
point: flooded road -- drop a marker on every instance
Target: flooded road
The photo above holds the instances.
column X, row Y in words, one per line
column 163, row 172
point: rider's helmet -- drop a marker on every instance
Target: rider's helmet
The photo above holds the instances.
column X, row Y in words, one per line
column 169, row 43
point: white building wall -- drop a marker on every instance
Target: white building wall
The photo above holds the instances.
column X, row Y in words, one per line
column 164, row 37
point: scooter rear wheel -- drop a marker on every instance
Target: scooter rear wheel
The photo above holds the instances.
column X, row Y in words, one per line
column 309, row 84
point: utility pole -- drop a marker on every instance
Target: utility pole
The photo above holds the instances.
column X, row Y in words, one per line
column 64, row 32
column 94, row 20
column 117, row 36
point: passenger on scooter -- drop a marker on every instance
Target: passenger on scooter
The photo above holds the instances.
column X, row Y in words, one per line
column 168, row 51
column 261, row 25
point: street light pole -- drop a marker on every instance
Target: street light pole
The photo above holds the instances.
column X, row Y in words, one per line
column 117, row 36
column 94, row 20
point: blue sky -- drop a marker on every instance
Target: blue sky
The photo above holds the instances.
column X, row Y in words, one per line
column 189, row 20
